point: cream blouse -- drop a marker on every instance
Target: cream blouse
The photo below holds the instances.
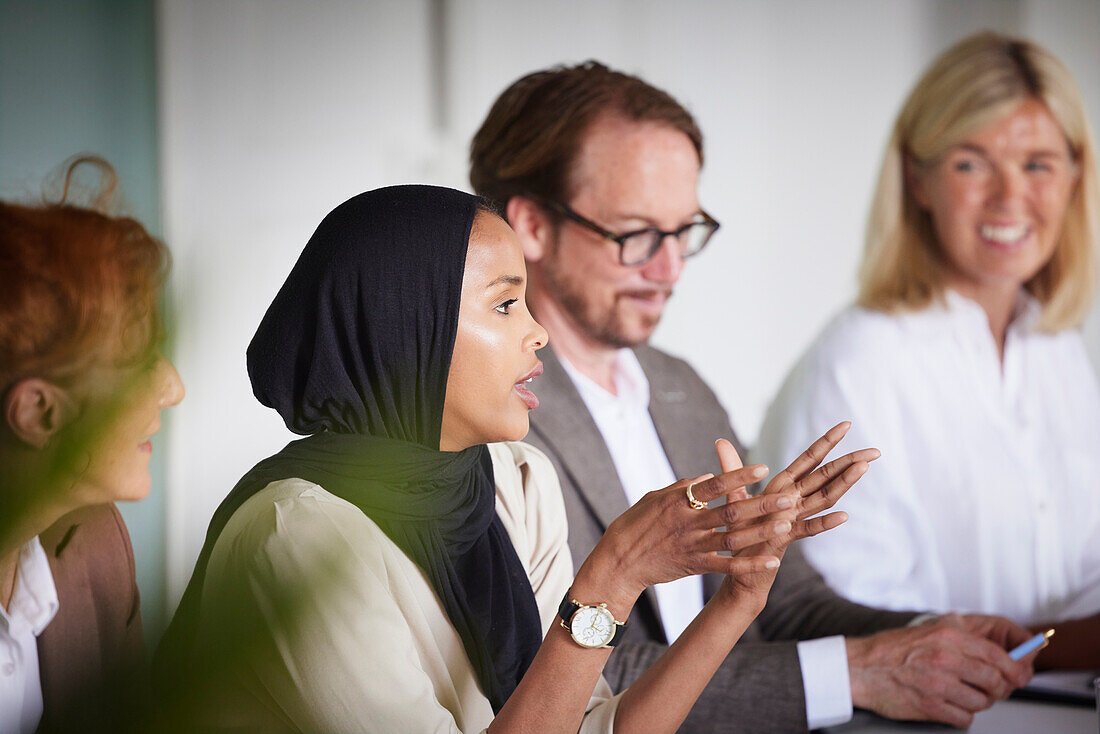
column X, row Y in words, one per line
column 325, row 625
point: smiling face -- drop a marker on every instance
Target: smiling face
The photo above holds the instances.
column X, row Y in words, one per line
column 627, row 176
column 119, row 411
column 488, row 394
column 998, row 200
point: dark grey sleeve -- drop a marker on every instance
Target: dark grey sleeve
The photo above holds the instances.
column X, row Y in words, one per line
column 801, row 606
column 757, row 690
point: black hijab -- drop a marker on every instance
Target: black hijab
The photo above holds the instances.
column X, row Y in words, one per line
column 354, row 352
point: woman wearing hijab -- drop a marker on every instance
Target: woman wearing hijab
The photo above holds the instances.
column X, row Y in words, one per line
column 392, row 571
column 963, row 357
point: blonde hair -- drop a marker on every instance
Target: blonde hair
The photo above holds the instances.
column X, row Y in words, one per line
column 971, row 85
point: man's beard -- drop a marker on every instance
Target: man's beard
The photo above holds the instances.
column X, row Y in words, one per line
column 608, row 326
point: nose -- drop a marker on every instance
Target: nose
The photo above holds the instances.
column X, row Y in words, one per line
column 172, row 391
column 667, row 263
column 538, row 337
column 1009, row 187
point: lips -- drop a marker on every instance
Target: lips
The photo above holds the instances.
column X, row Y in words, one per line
column 146, row 446
column 520, row 387
column 1004, row 236
column 650, row 300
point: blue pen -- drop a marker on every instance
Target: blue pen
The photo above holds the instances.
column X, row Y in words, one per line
column 1038, row 642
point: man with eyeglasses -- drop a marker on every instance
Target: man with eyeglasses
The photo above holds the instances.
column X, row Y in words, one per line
column 597, row 171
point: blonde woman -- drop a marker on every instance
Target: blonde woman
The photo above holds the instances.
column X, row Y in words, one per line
column 962, row 359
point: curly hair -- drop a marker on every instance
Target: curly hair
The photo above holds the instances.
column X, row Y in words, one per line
column 78, row 286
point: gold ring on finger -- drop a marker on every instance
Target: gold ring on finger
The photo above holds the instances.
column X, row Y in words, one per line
column 695, row 504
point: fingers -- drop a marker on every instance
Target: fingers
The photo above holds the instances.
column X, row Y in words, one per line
column 946, row 687
column 831, row 492
column 1008, row 633
column 953, row 695
column 1002, row 632
column 937, row 671
column 937, row 709
column 974, row 664
column 736, row 540
column 737, row 512
column 817, row 525
column 737, row 566
column 979, row 676
column 825, row 474
column 995, row 658
column 724, row 484
column 811, row 457
column 727, row 455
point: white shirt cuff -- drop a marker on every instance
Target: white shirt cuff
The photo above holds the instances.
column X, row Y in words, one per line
column 825, row 679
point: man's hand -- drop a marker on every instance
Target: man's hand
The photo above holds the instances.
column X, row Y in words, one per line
column 1002, row 632
column 945, row 670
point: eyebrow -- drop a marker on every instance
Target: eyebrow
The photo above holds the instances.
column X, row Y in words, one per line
column 508, row 279
column 972, row 147
column 1042, row 153
column 649, row 220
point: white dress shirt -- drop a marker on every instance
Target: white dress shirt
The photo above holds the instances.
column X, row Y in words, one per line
column 33, row 604
column 627, row 428
column 640, row 462
column 985, row 498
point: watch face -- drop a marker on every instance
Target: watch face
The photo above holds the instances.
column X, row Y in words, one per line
column 592, row 626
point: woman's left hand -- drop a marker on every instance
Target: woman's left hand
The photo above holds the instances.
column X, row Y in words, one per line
column 818, row 487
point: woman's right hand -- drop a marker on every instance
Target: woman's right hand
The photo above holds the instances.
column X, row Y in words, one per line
column 662, row 538
column 816, row 486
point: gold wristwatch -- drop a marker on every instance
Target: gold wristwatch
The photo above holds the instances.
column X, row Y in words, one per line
column 591, row 625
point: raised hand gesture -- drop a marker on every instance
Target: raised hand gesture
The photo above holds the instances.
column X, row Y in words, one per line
column 672, row 532
column 815, row 487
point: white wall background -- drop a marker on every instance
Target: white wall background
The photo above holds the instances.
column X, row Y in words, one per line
column 274, row 111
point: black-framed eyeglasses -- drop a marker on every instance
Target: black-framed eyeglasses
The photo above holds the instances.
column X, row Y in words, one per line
column 639, row 247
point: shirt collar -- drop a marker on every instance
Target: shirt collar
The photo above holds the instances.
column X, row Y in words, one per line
column 1025, row 313
column 631, row 384
column 34, row 601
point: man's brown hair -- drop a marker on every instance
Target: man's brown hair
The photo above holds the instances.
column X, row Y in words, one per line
column 528, row 142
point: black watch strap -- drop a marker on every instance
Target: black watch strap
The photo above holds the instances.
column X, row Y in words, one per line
column 620, row 633
column 568, row 608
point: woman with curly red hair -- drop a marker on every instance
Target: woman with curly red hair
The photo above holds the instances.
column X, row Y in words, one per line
column 82, row 384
